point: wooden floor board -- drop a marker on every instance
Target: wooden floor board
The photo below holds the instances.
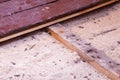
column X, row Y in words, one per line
column 14, row 33
column 15, row 6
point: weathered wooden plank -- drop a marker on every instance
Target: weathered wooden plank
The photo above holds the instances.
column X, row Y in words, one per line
column 15, row 6
column 2, row 1
column 38, row 56
column 41, row 14
column 89, row 53
column 14, row 20
column 96, row 38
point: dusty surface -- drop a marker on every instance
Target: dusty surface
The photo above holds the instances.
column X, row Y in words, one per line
column 101, row 29
column 85, row 49
column 39, row 56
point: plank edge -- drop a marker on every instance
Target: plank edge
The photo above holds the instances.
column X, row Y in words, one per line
column 85, row 57
column 56, row 21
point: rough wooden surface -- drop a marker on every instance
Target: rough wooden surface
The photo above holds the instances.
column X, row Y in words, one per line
column 2, row 1
column 15, row 6
column 38, row 56
column 96, row 37
column 19, row 21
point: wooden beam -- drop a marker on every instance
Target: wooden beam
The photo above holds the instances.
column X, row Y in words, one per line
column 56, row 21
column 98, row 59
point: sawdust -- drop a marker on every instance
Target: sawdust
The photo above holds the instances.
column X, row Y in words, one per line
column 39, row 56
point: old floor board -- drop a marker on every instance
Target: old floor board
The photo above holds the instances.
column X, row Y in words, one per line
column 15, row 6
column 17, row 24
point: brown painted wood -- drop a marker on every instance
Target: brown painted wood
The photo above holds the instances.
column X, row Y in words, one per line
column 25, row 19
column 11, row 30
column 2, row 1
column 14, row 6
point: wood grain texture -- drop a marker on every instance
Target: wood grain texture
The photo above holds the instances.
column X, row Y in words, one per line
column 22, row 20
column 94, row 56
column 95, row 37
column 15, row 6
column 14, row 29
